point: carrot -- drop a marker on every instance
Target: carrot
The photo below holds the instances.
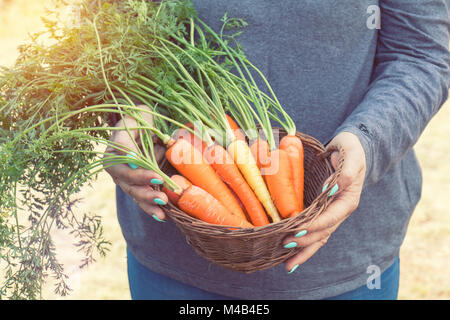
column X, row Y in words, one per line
column 260, row 151
column 192, row 165
column 202, row 205
column 226, row 168
column 238, row 133
column 294, row 147
column 279, row 179
column 238, row 200
column 198, row 143
column 277, row 172
column 182, row 182
column 242, row 156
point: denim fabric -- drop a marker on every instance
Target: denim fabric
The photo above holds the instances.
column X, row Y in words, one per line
column 148, row 285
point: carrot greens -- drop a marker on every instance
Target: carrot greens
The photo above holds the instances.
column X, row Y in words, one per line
column 55, row 112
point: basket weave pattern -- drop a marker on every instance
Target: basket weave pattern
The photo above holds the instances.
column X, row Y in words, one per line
column 250, row 250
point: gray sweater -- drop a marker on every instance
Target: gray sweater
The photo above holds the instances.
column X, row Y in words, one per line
column 333, row 69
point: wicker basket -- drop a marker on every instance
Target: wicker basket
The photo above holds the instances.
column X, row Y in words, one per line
column 249, row 250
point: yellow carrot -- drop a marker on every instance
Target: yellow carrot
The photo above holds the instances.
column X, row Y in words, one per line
column 243, row 158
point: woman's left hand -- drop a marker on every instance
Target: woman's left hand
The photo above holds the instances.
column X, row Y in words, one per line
column 348, row 192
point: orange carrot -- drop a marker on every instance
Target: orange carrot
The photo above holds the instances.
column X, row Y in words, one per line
column 278, row 176
column 260, row 151
column 224, row 165
column 274, row 165
column 182, row 182
column 202, row 205
column 294, row 148
column 198, row 143
column 237, row 199
column 192, row 165
column 238, row 133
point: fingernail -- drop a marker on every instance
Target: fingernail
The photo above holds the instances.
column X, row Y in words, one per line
column 156, row 181
column 133, row 166
column 157, row 219
column 290, row 245
column 159, row 201
column 333, row 190
column 325, row 187
column 293, row 268
column 133, row 156
column 301, row 233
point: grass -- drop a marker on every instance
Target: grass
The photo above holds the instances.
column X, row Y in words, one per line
column 424, row 255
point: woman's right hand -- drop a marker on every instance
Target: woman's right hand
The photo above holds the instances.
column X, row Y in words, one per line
column 138, row 183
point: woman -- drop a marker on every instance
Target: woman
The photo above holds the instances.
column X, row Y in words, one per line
column 345, row 81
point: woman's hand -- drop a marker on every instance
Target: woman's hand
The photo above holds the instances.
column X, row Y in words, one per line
column 348, row 192
column 138, row 183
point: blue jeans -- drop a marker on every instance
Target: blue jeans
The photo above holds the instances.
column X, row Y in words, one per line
column 148, row 285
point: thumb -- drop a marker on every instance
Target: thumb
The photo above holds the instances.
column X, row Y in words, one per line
column 334, row 159
column 122, row 142
column 124, row 138
column 352, row 155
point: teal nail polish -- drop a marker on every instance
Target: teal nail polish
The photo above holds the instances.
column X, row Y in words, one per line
column 293, row 268
column 301, row 233
column 133, row 166
column 333, row 190
column 290, row 245
column 325, row 187
column 157, row 219
column 160, row 202
column 156, row 181
column 133, row 156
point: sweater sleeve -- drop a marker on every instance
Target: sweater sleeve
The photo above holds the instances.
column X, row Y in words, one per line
column 410, row 82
